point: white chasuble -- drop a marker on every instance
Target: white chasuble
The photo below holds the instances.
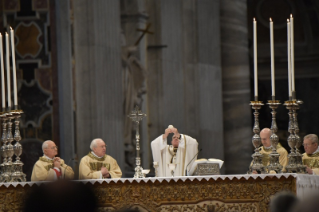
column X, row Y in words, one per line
column 186, row 151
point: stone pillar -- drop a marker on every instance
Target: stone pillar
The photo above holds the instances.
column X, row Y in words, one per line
column 184, row 88
column 236, row 86
column 98, row 76
column 209, row 74
column 133, row 17
column 65, row 79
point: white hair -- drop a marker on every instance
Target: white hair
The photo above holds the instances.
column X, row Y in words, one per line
column 312, row 137
column 45, row 145
column 94, row 144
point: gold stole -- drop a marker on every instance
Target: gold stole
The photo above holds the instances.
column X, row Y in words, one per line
column 312, row 161
column 184, row 156
column 96, row 166
column 50, row 163
column 265, row 158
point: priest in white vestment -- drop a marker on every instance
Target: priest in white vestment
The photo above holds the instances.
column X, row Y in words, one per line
column 182, row 152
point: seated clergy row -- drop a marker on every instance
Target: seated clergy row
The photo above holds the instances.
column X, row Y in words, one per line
column 183, row 152
column 95, row 165
column 310, row 158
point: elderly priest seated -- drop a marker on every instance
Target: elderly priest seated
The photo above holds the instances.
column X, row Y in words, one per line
column 49, row 167
column 182, row 152
column 311, row 156
column 97, row 164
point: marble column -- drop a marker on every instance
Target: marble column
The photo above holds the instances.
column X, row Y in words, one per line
column 65, row 80
column 98, row 76
column 236, row 86
column 134, row 17
column 185, row 87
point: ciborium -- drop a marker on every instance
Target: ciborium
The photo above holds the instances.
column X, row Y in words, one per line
column 257, row 164
column 274, row 164
column 136, row 115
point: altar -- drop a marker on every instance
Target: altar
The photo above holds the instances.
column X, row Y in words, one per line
column 200, row 193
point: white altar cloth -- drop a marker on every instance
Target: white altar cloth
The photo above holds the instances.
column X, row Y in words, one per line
column 305, row 184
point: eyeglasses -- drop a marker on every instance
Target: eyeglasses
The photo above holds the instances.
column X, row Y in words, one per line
column 307, row 144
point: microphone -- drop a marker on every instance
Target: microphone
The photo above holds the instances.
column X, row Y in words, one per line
column 67, row 166
column 191, row 161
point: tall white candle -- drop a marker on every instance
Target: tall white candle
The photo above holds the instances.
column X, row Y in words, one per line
column 289, row 59
column 14, row 75
column 292, row 49
column 255, row 58
column 8, row 70
column 3, row 90
column 272, row 57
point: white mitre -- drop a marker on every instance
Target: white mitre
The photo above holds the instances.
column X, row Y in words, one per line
column 170, row 126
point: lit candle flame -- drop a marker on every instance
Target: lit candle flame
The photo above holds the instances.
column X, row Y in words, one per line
column 254, row 19
column 270, row 19
column 288, row 20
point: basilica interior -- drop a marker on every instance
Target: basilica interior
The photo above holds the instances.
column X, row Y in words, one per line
column 82, row 67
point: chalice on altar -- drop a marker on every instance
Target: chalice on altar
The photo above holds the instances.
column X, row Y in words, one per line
column 172, row 167
column 145, row 172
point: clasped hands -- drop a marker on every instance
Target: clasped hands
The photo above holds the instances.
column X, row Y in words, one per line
column 309, row 170
column 57, row 162
column 105, row 172
column 170, row 130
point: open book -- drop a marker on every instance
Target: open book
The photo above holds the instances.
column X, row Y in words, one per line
column 204, row 160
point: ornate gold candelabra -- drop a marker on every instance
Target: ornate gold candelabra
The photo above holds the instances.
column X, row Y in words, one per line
column 301, row 167
column 257, row 164
column 292, row 156
column 11, row 171
column 274, row 164
column 295, row 164
column 137, row 116
column 5, row 177
column 17, row 174
column 9, row 146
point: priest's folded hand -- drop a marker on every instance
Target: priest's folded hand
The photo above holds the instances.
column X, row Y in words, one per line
column 57, row 162
column 105, row 172
column 309, row 170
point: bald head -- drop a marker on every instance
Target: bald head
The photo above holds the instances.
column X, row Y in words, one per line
column 49, row 149
column 98, row 147
column 265, row 137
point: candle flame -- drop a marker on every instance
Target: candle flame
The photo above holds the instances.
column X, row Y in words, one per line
column 290, row 15
column 270, row 19
column 288, row 20
column 254, row 19
column 10, row 28
column 6, row 33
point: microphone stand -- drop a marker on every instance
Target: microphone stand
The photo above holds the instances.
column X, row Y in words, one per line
column 191, row 161
column 67, row 167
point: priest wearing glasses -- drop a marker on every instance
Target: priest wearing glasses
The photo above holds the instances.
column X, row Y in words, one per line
column 182, row 152
column 311, row 156
column 97, row 164
column 49, row 167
